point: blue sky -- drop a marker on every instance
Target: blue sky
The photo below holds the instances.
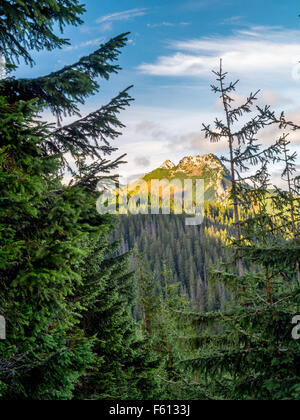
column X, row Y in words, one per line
column 173, row 47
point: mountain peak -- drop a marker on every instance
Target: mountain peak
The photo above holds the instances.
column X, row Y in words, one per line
column 207, row 167
column 200, row 160
column 167, row 165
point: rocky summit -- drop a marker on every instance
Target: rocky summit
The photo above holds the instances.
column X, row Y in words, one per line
column 217, row 179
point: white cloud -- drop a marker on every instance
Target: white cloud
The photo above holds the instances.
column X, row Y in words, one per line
column 259, row 51
column 264, row 97
column 153, row 135
column 90, row 43
column 125, row 15
column 196, row 143
column 142, row 161
column 85, row 29
column 272, row 98
column 273, row 132
column 233, row 20
column 105, row 27
column 167, row 24
column 159, row 134
column 157, row 25
column 195, row 5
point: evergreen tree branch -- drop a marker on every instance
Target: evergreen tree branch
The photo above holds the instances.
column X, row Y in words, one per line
column 28, row 25
column 84, row 136
column 62, row 90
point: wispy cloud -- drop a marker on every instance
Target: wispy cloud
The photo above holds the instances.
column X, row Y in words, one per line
column 269, row 51
column 90, row 43
column 233, row 20
column 125, row 15
column 167, row 24
column 105, row 27
column 157, row 134
column 269, row 97
column 194, row 5
column 142, row 161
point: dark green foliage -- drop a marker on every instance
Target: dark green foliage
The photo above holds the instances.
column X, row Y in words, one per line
column 253, row 355
column 90, row 136
column 168, row 334
column 123, row 368
column 41, row 233
column 61, row 91
column 187, row 251
column 65, row 294
column 148, row 297
column 28, row 25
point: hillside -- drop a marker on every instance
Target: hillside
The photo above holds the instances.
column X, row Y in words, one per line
column 188, row 251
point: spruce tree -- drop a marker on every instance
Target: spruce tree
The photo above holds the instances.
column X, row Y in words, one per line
column 248, row 351
column 149, row 295
column 41, row 231
column 243, row 147
column 50, row 230
column 291, row 198
column 169, row 335
column 29, row 25
column 124, row 366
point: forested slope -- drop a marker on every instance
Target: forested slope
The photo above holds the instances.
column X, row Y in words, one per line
column 188, row 251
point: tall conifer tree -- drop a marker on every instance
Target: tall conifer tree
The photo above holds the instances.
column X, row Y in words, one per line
column 249, row 352
column 50, row 230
